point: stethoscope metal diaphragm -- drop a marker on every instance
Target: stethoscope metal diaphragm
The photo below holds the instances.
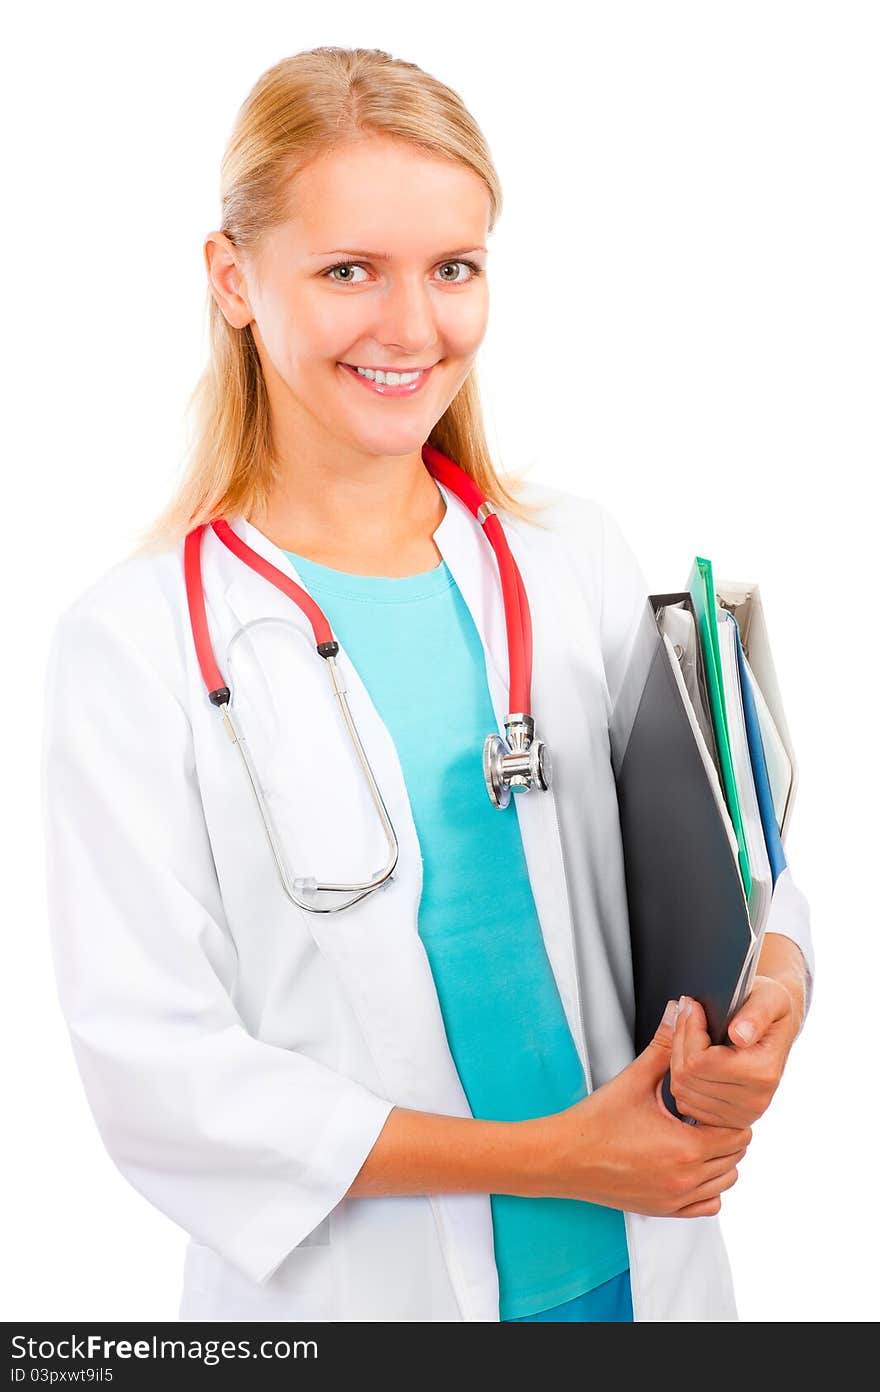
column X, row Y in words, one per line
column 516, row 764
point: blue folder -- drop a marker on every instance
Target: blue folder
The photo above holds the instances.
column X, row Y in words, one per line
column 773, row 841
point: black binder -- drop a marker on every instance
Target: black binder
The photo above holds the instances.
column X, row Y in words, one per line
column 689, row 920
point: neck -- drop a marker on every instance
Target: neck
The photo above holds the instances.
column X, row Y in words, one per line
column 363, row 514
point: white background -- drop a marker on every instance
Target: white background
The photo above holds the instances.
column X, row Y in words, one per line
column 684, row 324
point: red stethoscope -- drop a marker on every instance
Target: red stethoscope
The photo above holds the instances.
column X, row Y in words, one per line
column 516, row 764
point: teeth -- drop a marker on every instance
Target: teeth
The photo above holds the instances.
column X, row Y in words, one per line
column 391, row 379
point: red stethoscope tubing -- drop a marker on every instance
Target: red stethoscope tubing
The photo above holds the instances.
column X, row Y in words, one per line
column 516, row 605
column 517, row 614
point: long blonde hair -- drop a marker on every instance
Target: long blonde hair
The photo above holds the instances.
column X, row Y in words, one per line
column 298, row 109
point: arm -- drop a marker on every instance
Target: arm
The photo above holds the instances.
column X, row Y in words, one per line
column 618, row 1147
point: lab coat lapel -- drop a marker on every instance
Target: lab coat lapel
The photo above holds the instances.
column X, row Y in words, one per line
column 470, row 557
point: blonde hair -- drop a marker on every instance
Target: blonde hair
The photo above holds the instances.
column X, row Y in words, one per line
column 298, row 109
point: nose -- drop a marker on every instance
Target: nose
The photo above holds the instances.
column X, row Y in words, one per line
column 406, row 320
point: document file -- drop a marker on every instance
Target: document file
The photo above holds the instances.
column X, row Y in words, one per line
column 705, row 776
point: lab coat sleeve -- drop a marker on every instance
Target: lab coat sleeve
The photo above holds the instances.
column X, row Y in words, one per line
column 624, row 594
column 246, row 1145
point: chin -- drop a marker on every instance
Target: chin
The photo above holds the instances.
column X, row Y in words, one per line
column 399, row 441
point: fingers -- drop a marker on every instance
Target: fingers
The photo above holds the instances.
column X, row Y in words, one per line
column 706, row 1199
column 712, row 1114
column 699, row 1210
column 690, row 1038
column 655, row 1056
column 718, row 1141
column 714, row 1169
column 691, row 1046
column 709, row 1107
column 716, row 1185
column 717, row 1067
column 722, row 1089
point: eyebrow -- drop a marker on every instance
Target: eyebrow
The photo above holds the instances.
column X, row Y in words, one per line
column 384, row 256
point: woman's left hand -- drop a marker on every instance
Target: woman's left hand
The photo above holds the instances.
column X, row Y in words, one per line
column 733, row 1086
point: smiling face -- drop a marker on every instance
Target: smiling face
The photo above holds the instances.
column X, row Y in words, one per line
column 382, row 266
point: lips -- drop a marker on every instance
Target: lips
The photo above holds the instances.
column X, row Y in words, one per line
column 370, row 368
column 384, row 388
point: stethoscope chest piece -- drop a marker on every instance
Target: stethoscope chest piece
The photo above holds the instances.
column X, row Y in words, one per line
column 516, row 764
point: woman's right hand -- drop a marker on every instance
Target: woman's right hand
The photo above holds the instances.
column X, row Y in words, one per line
column 623, row 1148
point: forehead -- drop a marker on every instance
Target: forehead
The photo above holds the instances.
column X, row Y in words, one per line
column 386, row 195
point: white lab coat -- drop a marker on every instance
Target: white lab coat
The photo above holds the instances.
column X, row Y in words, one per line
column 240, row 1055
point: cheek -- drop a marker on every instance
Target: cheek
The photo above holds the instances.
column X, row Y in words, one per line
column 463, row 325
column 327, row 334
column 281, row 338
column 299, row 335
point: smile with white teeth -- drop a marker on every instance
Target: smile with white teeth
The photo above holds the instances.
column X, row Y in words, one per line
column 391, row 379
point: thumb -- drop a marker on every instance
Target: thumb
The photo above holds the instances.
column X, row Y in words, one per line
column 658, row 1051
column 766, row 1004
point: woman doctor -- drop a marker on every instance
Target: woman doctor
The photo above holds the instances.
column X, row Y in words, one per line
column 424, row 1106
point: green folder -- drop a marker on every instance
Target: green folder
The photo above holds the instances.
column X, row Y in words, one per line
column 701, row 585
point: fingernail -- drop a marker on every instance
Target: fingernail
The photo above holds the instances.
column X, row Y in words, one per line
column 746, row 1030
column 670, row 1012
column 684, row 1006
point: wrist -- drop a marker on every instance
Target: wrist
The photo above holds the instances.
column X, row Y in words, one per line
column 531, row 1157
column 553, row 1147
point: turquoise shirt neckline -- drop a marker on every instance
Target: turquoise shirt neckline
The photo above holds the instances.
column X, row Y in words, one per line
column 378, row 589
